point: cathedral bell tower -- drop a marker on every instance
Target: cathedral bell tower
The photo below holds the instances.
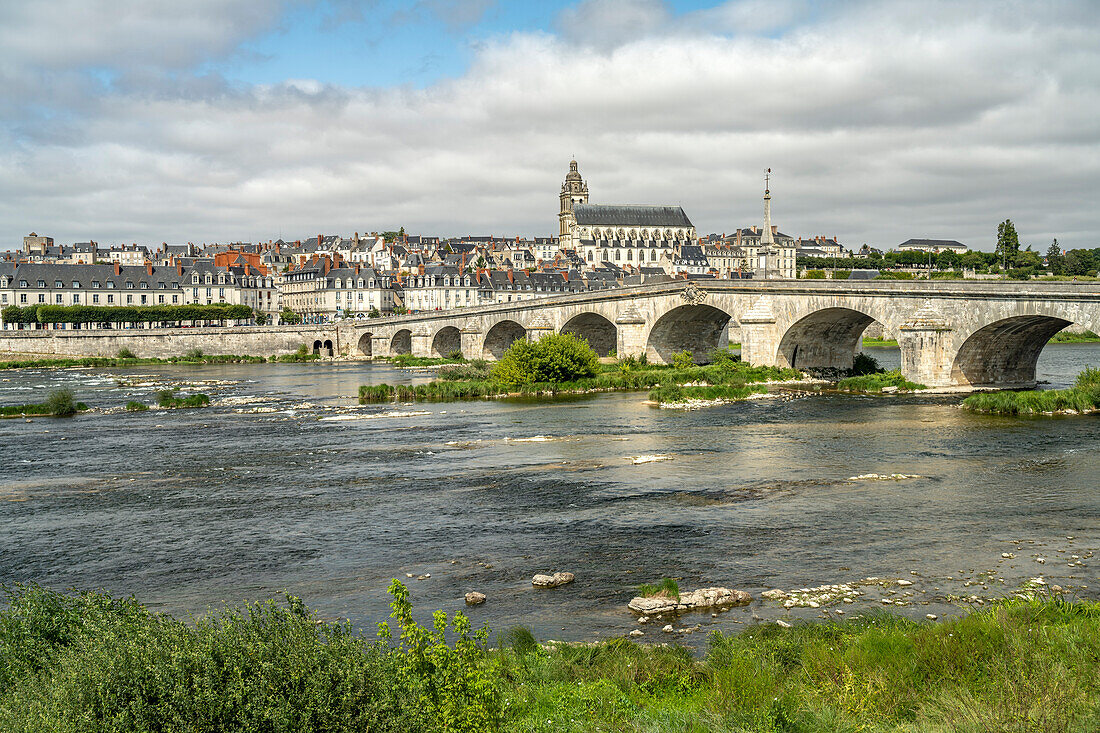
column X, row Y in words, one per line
column 573, row 191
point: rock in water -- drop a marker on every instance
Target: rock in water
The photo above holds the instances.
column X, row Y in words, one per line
column 473, row 598
column 696, row 599
column 552, row 581
column 774, row 595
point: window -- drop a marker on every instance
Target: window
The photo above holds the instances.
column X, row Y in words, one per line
column 41, row 283
column 175, row 298
column 41, row 297
column 161, row 286
column 4, row 298
column 76, row 298
column 110, row 284
column 144, row 285
column 95, row 284
column 23, row 283
column 208, row 293
column 160, row 298
column 58, row 284
column 95, row 298
column 76, row 284
column 221, row 292
column 57, row 298
column 194, row 279
column 129, row 299
column 22, row 297
column 129, row 285
column 110, row 298
column 144, row 298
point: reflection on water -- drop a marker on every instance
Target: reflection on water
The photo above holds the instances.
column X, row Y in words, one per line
column 265, row 491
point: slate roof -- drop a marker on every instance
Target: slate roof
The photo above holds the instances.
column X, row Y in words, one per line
column 931, row 243
column 634, row 216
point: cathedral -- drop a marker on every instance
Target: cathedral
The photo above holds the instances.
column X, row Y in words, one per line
column 639, row 236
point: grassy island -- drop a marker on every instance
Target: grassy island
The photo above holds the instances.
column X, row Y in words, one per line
column 564, row 364
column 1082, row 397
column 90, row 662
column 59, row 403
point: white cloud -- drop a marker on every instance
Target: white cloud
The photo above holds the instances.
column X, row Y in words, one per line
column 880, row 124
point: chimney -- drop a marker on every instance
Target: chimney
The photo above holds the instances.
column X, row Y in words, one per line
column 118, row 269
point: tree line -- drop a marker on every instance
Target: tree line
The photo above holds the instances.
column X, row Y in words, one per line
column 125, row 314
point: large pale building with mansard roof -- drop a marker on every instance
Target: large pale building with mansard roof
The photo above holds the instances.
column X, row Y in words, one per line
column 621, row 235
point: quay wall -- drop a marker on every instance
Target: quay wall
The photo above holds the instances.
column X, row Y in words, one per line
column 168, row 342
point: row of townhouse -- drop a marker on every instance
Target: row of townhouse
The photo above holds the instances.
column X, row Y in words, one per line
column 324, row 288
column 41, row 283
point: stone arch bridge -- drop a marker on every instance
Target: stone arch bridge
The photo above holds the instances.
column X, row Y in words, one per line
column 951, row 333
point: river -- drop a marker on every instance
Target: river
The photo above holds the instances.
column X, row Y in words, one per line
column 285, row 483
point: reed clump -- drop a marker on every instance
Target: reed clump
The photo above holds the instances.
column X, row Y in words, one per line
column 1082, row 397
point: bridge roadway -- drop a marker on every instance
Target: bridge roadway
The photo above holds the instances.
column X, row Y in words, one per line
column 951, row 333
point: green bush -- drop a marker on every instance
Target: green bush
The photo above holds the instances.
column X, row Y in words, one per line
column 60, row 402
column 126, row 354
column 127, row 313
column 167, row 399
column 865, row 364
column 552, row 359
column 683, row 360
column 813, row 275
column 876, row 381
column 135, row 406
column 476, row 370
column 193, row 355
column 290, row 317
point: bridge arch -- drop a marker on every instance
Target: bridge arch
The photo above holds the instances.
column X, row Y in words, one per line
column 696, row 328
column 825, row 339
column 327, row 347
column 317, row 346
column 600, row 333
column 1004, row 353
column 500, row 337
column 365, row 346
column 401, row 343
column 447, row 340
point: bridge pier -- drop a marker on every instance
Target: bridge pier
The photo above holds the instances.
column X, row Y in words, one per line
column 471, row 341
column 926, row 353
column 539, row 328
column 422, row 342
column 759, row 334
column 631, row 334
column 379, row 346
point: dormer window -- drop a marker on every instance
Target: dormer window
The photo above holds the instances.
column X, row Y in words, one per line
column 58, row 284
column 160, row 286
column 144, row 285
column 76, row 284
column 129, row 285
column 195, row 279
column 96, row 283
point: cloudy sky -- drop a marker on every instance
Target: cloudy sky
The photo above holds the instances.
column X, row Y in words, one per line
column 215, row 120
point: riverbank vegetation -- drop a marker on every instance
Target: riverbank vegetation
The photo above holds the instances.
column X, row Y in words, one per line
column 170, row 400
column 564, row 364
column 877, row 381
column 59, row 403
column 1083, row 396
column 91, row 662
column 1074, row 337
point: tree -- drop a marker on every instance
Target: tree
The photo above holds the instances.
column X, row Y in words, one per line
column 261, row 318
column 560, row 357
column 289, row 316
column 1008, row 242
column 1054, row 259
column 374, row 313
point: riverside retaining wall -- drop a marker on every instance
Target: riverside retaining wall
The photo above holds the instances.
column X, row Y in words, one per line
column 168, row 342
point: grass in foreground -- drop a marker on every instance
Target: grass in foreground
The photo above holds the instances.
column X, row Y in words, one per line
column 91, row 663
column 1083, row 396
column 665, row 588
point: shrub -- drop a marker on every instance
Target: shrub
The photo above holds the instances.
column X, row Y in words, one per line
column 813, row 275
column 374, row 313
column 666, row 588
column 865, row 364
column 1088, row 379
column 555, row 358
column 288, row 316
column 60, row 402
column 472, row 371
column 520, row 640
column 261, row 318
column 126, row 354
column 456, row 355
column 135, row 406
column 682, row 360
column 193, row 355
